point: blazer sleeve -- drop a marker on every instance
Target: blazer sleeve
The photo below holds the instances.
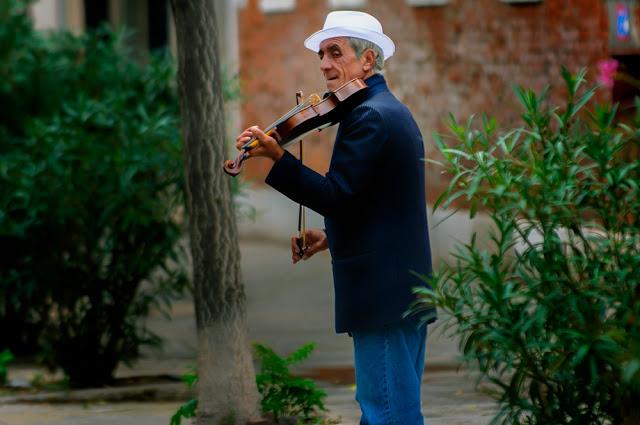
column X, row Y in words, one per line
column 353, row 164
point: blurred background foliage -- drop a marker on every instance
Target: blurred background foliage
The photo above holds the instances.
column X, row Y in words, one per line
column 549, row 310
column 91, row 196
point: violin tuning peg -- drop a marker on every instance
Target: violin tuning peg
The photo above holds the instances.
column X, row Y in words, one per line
column 314, row 99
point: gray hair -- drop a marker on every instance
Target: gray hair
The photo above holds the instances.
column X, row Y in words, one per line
column 360, row 46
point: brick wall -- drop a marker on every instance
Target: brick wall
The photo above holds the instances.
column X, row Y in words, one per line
column 462, row 58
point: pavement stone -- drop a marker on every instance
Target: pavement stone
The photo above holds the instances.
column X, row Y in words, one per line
column 288, row 305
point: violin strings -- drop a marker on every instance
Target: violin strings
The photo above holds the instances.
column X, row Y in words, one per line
column 282, row 119
column 291, row 112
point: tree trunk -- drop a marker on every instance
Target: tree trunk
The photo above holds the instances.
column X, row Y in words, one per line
column 227, row 392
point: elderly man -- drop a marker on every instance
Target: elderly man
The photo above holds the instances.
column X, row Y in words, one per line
column 373, row 202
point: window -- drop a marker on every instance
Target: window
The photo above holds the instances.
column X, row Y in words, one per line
column 347, row 4
column 625, row 92
column 158, row 18
column 96, row 12
column 277, row 6
column 47, row 14
column 427, row 2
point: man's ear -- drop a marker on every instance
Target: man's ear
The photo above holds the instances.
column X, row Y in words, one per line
column 369, row 60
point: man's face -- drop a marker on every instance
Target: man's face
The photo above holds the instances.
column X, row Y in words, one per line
column 339, row 63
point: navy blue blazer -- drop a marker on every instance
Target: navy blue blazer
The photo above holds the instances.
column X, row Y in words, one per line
column 373, row 202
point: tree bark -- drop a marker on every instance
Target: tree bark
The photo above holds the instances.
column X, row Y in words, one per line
column 227, row 392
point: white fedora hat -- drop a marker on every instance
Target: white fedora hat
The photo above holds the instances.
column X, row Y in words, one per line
column 347, row 23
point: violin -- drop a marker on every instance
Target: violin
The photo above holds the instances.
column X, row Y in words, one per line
column 314, row 113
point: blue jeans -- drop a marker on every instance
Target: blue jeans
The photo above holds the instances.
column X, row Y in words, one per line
column 389, row 363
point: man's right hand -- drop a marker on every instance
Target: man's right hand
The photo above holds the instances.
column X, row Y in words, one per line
column 315, row 241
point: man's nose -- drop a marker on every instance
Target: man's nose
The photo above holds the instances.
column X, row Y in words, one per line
column 325, row 63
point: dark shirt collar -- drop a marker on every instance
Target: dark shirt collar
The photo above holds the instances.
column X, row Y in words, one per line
column 376, row 85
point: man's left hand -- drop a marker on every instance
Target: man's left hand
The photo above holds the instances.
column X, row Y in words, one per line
column 267, row 147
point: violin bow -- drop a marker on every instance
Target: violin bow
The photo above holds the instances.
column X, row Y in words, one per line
column 301, row 239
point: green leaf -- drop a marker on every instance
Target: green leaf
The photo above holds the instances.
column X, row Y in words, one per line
column 187, row 410
column 282, row 393
column 630, row 370
column 457, row 152
column 190, row 378
column 583, row 100
column 301, row 353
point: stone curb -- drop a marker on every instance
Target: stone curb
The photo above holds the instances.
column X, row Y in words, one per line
column 435, row 365
column 172, row 391
column 165, row 391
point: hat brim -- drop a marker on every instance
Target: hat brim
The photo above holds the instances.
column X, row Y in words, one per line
column 385, row 43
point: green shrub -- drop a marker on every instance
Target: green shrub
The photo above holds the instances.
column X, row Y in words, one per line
column 284, row 395
column 190, row 408
column 90, row 196
column 20, row 310
column 550, row 310
column 5, row 358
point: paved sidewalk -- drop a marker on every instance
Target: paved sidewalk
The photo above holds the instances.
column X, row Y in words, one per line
column 449, row 400
column 287, row 306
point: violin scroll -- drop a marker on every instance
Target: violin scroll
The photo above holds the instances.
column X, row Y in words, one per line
column 234, row 167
